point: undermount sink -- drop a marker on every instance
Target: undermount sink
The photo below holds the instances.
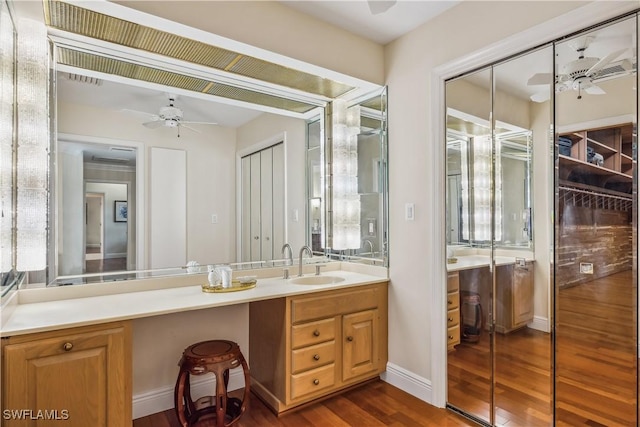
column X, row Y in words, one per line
column 316, row 280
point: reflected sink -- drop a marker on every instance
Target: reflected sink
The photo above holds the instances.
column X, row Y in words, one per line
column 316, row 280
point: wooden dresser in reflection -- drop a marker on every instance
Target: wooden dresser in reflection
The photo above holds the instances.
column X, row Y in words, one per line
column 453, row 310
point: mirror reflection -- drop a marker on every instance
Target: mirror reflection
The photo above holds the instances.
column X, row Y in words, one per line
column 7, row 62
column 495, row 258
column 178, row 182
column 596, row 274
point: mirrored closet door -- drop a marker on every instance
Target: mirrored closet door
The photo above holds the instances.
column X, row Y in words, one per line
column 541, row 234
column 596, row 342
column 499, row 363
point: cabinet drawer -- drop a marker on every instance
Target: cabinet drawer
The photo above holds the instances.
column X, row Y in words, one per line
column 453, row 318
column 453, row 282
column 313, row 333
column 313, row 356
column 453, row 300
column 318, row 307
column 453, row 336
column 312, row 381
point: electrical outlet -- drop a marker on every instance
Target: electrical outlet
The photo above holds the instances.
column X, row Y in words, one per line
column 586, row 267
column 214, row 218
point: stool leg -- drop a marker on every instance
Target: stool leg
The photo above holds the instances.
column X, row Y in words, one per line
column 221, row 396
column 179, row 397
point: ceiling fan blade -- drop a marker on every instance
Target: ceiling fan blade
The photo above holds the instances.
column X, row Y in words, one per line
column 153, row 124
column 139, row 113
column 542, row 96
column 380, row 6
column 198, row 123
column 595, row 90
column 540, row 79
column 604, row 62
column 182, row 125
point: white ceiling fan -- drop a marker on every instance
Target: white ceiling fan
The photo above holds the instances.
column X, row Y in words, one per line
column 169, row 116
column 581, row 74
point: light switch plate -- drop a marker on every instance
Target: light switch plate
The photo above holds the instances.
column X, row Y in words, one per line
column 409, row 211
column 214, row 218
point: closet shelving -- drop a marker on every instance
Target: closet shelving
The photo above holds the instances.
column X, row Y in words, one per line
column 613, row 143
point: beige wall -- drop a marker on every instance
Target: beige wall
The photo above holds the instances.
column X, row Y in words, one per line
column 272, row 26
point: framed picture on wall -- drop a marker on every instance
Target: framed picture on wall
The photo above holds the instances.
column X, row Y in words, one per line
column 120, row 211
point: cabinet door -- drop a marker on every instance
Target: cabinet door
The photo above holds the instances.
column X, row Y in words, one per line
column 360, row 344
column 522, row 294
column 85, row 377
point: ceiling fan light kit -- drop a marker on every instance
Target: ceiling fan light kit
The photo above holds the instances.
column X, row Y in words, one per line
column 582, row 74
column 169, row 116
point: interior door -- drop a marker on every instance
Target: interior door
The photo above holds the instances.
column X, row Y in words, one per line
column 596, row 345
column 469, row 361
column 263, row 204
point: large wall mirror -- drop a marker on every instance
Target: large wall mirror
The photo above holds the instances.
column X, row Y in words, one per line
column 7, row 102
column 159, row 162
column 541, row 200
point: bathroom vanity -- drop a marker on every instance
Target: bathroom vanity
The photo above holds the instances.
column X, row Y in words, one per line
column 70, row 348
column 514, row 288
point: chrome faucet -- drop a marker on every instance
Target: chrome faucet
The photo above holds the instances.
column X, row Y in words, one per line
column 289, row 260
column 304, row 248
column 370, row 246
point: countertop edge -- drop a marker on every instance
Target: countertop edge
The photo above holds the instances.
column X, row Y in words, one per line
column 42, row 316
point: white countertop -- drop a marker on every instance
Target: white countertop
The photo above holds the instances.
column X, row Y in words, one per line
column 466, row 262
column 36, row 312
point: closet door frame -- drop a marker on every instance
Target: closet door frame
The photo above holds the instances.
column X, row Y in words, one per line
column 574, row 21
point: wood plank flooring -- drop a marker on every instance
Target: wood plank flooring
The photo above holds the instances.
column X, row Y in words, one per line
column 596, row 353
column 374, row 404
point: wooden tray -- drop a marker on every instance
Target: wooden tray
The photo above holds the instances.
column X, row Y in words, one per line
column 235, row 286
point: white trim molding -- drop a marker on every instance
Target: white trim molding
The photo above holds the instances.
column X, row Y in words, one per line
column 162, row 399
column 405, row 380
column 576, row 20
column 540, row 323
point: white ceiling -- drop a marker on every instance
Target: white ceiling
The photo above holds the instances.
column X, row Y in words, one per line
column 357, row 17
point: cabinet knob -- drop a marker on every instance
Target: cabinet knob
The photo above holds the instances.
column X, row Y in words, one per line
column 316, row 333
column 349, row 338
column 450, row 337
column 316, row 357
column 256, row 237
column 450, row 319
column 316, row 381
column 449, row 302
column 67, row 346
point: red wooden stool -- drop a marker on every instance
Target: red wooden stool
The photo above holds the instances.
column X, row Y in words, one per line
column 216, row 356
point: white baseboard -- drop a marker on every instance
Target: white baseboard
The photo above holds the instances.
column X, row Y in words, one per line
column 161, row 399
column 540, row 323
column 409, row 382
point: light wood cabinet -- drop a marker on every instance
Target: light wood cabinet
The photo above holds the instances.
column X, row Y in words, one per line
column 514, row 304
column 75, row 377
column 453, row 310
column 306, row 347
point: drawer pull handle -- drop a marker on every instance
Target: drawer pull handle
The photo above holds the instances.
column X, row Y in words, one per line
column 316, row 333
column 450, row 319
column 316, row 381
column 316, row 357
column 449, row 302
column 349, row 338
column 450, row 337
column 67, row 346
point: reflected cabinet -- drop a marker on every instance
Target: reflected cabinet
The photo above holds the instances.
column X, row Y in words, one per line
column 541, row 211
